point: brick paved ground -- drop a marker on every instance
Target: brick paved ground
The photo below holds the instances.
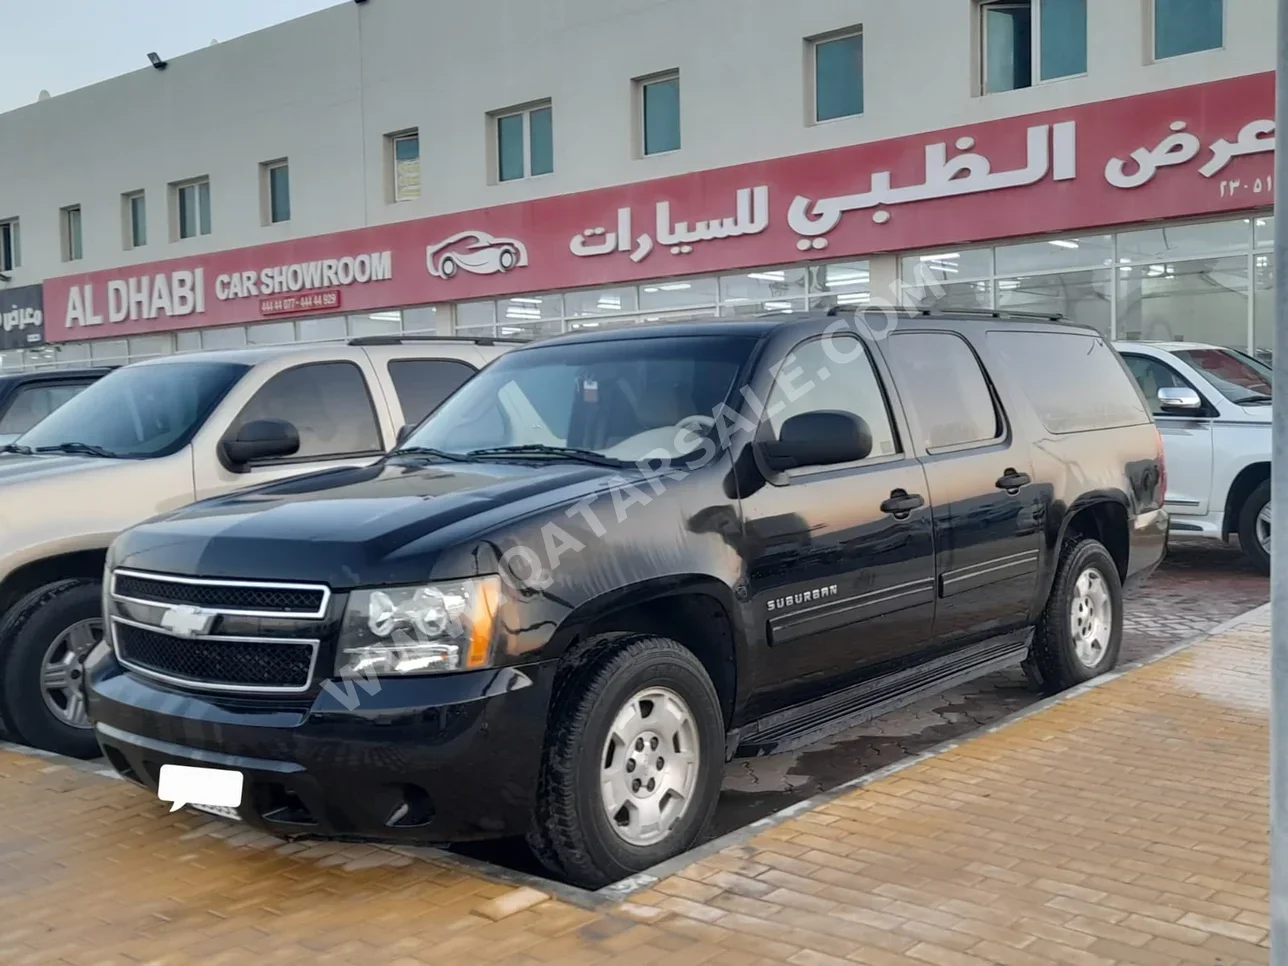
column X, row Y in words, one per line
column 1126, row 825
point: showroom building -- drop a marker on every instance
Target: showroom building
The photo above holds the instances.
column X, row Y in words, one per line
column 504, row 168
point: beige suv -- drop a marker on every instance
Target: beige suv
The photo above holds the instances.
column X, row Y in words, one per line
column 161, row 434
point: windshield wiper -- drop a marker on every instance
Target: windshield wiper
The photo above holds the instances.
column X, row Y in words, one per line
column 15, row 448
column 429, row 451
column 1256, row 397
column 80, row 449
column 558, row 452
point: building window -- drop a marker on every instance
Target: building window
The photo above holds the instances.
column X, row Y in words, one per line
column 525, row 143
column 275, row 182
column 838, row 75
column 135, row 210
column 1026, row 41
column 660, row 113
column 192, row 208
column 71, row 234
column 10, row 254
column 404, row 152
column 1187, row 26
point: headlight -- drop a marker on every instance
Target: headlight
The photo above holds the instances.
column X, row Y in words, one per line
column 419, row 630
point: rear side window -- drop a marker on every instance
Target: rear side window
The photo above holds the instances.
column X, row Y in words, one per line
column 941, row 384
column 31, row 404
column 1074, row 381
column 423, row 384
column 327, row 402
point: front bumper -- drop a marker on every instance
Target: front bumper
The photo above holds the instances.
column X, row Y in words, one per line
column 424, row 760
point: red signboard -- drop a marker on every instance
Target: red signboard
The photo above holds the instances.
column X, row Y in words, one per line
column 1183, row 152
column 324, row 301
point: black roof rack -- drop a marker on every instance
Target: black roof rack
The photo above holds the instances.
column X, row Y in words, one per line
column 484, row 340
column 953, row 313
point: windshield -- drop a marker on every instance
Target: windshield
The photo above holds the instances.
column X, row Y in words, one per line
column 138, row 412
column 624, row 399
column 1238, row 377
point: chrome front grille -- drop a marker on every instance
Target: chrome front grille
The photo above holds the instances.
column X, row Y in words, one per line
column 218, row 635
column 233, row 597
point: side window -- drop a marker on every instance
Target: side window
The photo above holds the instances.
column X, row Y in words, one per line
column 31, row 404
column 812, row 380
column 1152, row 376
column 423, row 384
column 1073, row 379
column 941, row 383
column 327, row 402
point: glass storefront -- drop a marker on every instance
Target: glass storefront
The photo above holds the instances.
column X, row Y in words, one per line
column 1200, row 282
column 763, row 291
column 1207, row 281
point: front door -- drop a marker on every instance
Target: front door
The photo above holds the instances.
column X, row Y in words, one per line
column 840, row 559
column 330, row 406
column 1187, row 439
column 988, row 513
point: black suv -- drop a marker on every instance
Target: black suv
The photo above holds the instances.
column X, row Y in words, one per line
column 609, row 563
column 28, row 397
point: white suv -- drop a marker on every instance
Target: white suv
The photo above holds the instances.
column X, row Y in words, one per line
column 1212, row 406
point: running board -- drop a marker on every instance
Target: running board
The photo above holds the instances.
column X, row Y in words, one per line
column 806, row 723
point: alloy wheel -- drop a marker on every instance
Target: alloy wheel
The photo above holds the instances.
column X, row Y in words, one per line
column 62, row 671
column 649, row 766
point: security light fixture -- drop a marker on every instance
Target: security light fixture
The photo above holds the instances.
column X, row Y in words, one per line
column 157, row 62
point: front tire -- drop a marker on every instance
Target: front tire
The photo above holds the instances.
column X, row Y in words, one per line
column 44, row 639
column 1254, row 527
column 633, row 761
column 1080, row 633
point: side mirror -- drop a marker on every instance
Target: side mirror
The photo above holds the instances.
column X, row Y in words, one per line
column 1179, row 399
column 403, row 433
column 262, row 439
column 819, row 439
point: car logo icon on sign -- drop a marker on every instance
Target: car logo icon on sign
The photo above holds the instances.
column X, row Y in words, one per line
column 475, row 252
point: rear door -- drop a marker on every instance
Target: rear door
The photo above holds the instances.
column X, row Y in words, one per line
column 422, row 385
column 988, row 515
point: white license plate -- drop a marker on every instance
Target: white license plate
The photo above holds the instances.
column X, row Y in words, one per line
column 205, row 788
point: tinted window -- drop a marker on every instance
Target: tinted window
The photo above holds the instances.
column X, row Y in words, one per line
column 328, row 403
column 626, row 399
column 851, row 387
column 1237, row 377
column 140, row 411
column 423, row 384
column 1152, row 375
column 1074, row 381
column 940, row 382
column 31, row 404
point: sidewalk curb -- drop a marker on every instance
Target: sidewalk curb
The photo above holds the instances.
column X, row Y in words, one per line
column 617, row 892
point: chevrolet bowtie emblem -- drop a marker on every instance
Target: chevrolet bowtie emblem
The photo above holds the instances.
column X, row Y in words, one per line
column 188, row 621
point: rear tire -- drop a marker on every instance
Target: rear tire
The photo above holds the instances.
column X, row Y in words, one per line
column 630, row 704
column 1080, row 633
column 1254, row 522
column 32, row 627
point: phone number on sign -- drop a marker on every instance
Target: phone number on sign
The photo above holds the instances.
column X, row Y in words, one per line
column 312, row 302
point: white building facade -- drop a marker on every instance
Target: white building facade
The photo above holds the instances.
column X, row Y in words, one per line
column 507, row 168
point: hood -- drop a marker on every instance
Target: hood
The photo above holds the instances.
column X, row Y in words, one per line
column 32, row 469
column 355, row 526
column 1262, row 413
